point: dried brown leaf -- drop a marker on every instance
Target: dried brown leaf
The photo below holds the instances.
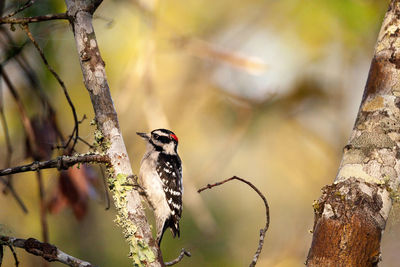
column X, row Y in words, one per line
column 74, row 188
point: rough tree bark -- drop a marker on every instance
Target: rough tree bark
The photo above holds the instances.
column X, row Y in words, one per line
column 131, row 217
column 351, row 214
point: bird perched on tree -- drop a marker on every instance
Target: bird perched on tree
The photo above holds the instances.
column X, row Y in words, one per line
column 161, row 178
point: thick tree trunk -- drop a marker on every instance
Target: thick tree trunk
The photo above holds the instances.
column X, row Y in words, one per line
column 351, row 214
column 131, row 217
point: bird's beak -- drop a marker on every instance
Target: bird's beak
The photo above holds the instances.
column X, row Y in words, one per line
column 145, row 136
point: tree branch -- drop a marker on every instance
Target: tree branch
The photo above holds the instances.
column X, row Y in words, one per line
column 59, row 16
column 179, row 258
column 262, row 231
column 131, row 217
column 61, row 163
column 351, row 214
column 45, row 250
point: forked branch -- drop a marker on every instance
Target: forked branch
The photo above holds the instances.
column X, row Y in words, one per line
column 262, row 231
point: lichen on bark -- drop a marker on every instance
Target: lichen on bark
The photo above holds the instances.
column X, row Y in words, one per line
column 139, row 251
column 351, row 214
column 131, row 217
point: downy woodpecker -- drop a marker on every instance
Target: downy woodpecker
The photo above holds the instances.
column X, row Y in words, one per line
column 161, row 178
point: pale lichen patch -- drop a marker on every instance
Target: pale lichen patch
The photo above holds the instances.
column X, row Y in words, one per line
column 386, row 203
column 328, row 211
column 392, row 29
column 365, row 189
column 355, row 171
column 373, row 140
column 353, row 156
column 138, row 250
column 375, row 104
column 99, row 75
column 93, row 43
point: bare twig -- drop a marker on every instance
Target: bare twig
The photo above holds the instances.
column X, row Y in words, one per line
column 20, row 9
column 61, row 163
column 14, row 194
column 5, row 129
column 27, row 127
column 27, row 69
column 179, row 258
column 14, row 255
column 60, row 16
column 24, row 117
column 262, row 231
column 8, row 183
column 42, row 213
column 42, row 205
column 45, row 250
column 86, row 142
column 75, row 132
column 107, row 197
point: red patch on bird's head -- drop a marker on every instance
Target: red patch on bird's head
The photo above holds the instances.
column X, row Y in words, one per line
column 174, row 137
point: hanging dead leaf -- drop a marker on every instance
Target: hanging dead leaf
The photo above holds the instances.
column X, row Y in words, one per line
column 74, row 188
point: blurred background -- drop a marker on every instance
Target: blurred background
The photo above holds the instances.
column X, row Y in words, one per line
column 265, row 90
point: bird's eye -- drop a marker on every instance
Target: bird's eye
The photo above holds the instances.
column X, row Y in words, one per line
column 155, row 136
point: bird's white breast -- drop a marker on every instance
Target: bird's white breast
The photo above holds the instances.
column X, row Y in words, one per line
column 152, row 184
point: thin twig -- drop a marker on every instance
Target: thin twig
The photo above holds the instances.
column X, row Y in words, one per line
column 86, row 142
column 20, row 9
column 14, row 255
column 179, row 258
column 33, row 80
column 75, row 131
column 262, row 231
column 27, row 69
column 5, row 128
column 59, row 16
column 42, row 213
column 42, row 205
column 8, row 183
column 6, row 132
column 27, row 127
column 61, row 163
column 45, row 250
column 107, row 197
column 24, row 117
column 14, row 194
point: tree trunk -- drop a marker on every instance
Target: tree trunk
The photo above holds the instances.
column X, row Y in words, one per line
column 131, row 217
column 351, row 214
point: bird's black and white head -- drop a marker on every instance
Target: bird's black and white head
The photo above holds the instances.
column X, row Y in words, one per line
column 162, row 140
